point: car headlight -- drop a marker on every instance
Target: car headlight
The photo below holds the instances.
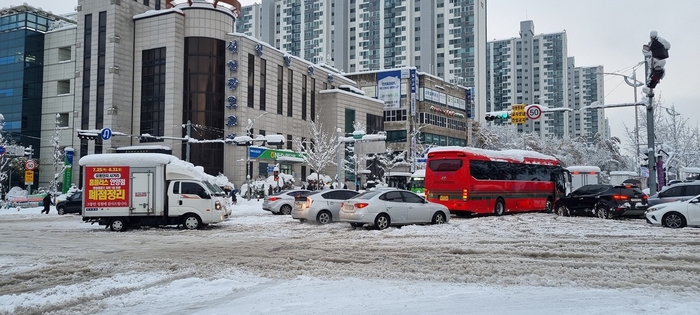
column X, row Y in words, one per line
column 217, row 205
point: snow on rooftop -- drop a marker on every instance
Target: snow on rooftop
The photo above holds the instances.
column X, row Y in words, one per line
column 583, row 168
column 517, row 155
column 352, row 88
column 353, row 94
column 151, row 13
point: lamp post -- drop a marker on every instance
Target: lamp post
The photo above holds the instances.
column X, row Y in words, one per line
column 632, row 81
column 249, row 142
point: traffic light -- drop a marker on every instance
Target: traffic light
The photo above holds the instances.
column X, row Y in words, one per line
column 502, row 115
column 28, row 151
column 657, row 52
column 86, row 135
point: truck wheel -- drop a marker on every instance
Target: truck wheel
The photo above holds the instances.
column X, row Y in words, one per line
column 191, row 222
column 118, row 225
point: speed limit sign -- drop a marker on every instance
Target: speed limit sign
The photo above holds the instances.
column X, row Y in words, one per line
column 533, row 112
column 30, row 165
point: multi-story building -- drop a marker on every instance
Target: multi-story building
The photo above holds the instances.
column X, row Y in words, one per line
column 535, row 69
column 586, row 86
column 442, row 38
column 37, row 83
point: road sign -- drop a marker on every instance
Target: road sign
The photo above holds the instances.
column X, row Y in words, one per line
column 517, row 116
column 28, row 177
column 270, row 168
column 534, row 112
column 30, row 165
column 106, row 133
column 421, row 160
column 2, row 150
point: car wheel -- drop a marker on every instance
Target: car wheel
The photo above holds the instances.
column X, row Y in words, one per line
column 500, row 207
column 286, row 210
column 191, row 222
column 439, row 218
column 563, row 211
column 603, row 212
column 382, row 221
column 61, row 210
column 549, row 206
column 118, row 225
column 324, row 217
column 673, row 220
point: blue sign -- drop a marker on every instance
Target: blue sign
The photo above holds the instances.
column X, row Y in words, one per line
column 106, row 133
column 421, row 160
column 2, row 150
column 270, row 169
column 69, row 156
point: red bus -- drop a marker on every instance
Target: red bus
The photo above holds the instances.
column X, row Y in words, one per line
column 475, row 181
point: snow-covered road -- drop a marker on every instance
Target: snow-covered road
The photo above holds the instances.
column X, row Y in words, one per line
column 259, row 263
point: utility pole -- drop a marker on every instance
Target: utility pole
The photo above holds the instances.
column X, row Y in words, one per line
column 187, row 151
column 339, row 157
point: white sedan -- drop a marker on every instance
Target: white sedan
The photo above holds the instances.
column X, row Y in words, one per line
column 675, row 214
column 386, row 207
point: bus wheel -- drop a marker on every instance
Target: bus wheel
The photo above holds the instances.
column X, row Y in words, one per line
column 500, row 208
column 549, row 206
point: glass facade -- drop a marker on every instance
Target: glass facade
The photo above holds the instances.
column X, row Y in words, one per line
column 153, row 94
column 204, row 89
column 21, row 66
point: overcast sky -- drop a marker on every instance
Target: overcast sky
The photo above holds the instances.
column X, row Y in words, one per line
column 600, row 32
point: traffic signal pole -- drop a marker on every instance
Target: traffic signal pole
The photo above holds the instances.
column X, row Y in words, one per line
column 651, row 152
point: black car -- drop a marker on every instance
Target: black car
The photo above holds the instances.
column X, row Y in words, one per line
column 604, row 201
column 72, row 204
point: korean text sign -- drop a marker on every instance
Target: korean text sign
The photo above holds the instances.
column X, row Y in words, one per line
column 106, row 186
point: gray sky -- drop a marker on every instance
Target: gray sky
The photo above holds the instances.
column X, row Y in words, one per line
column 599, row 32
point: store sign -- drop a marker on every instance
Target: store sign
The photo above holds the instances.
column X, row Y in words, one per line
column 389, row 88
column 106, row 186
column 269, row 154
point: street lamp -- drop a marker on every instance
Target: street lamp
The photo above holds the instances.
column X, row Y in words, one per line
column 247, row 141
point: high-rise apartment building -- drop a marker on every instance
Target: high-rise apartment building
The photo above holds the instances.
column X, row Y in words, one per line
column 586, row 86
column 535, row 69
column 446, row 39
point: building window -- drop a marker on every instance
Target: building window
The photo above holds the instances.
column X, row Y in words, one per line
column 204, row 95
column 263, row 83
column 303, row 97
column 153, row 93
column 313, row 99
column 251, row 80
column 62, row 120
column 289, row 142
column 290, row 92
column 280, row 89
column 64, row 54
column 63, row 87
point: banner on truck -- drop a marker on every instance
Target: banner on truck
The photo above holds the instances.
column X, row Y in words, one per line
column 106, row 186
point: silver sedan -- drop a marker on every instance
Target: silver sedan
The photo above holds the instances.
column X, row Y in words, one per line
column 383, row 208
column 321, row 206
column 281, row 202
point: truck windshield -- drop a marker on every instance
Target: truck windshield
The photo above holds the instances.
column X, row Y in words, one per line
column 215, row 190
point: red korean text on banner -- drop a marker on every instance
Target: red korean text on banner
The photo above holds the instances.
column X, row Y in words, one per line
column 107, row 186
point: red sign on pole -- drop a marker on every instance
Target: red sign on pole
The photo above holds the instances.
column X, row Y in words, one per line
column 106, row 186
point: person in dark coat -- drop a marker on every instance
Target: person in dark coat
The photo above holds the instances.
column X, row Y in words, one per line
column 234, row 200
column 47, row 203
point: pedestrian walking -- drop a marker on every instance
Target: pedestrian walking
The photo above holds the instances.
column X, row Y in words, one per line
column 48, row 202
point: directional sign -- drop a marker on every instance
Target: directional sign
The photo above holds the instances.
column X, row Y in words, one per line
column 534, row 112
column 106, row 133
column 517, row 116
column 2, row 150
column 30, row 165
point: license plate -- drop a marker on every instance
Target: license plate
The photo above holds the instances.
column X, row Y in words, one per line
column 349, row 207
column 636, row 200
column 444, row 198
column 298, row 205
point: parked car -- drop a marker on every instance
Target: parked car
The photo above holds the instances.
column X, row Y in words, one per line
column 72, row 204
column 677, row 192
column 675, row 214
column 386, row 207
column 321, row 206
column 281, row 202
column 604, row 201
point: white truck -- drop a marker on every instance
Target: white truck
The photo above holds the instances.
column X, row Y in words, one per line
column 125, row 190
column 583, row 175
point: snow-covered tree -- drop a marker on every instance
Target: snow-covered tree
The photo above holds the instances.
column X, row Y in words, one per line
column 391, row 159
column 318, row 151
